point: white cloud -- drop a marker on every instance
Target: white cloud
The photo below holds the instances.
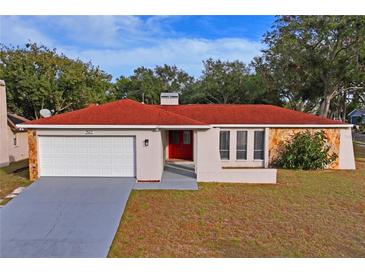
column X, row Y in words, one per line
column 15, row 31
column 119, row 44
column 100, row 31
column 185, row 53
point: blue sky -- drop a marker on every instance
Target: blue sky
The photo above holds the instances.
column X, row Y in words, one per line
column 119, row 44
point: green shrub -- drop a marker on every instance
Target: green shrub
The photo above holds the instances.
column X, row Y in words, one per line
column 306, row 151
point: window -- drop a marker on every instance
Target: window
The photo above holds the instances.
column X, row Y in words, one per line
column 224, row 145
column 186, row 137
column 14, row 140
column 259, row 142
column 175, row 137
column 241, row 149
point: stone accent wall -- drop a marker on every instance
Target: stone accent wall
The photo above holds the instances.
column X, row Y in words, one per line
column 33, row 155
column 278, row 136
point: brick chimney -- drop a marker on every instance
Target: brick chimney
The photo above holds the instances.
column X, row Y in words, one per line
column 4, row 145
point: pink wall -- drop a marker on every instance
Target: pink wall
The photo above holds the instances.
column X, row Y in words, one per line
column 4, row 150
column 20, row 150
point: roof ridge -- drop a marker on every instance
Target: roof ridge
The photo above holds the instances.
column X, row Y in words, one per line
column 215, row 105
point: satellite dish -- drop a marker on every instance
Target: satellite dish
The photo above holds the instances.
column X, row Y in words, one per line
column 45, row 113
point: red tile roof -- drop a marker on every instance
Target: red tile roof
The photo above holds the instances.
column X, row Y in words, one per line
column 129, row 112
column 248, row 114
column 122, row 112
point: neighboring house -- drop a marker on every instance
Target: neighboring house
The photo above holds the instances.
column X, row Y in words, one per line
column 357, row 116
column 13, row 140
column 224, row 143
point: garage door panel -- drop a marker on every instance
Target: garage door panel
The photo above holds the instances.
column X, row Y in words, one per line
column 87, row 156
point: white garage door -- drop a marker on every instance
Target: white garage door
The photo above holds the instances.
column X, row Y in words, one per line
column 87, row 156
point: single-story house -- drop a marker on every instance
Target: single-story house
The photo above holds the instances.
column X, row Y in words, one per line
column 13, row 140
column 357, row 116
column 224, row 143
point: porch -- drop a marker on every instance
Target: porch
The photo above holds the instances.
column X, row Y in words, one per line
column 220, row 155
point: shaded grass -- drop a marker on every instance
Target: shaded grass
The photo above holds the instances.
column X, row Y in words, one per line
column 12, row 177
column 360, row 151
column 307, row 214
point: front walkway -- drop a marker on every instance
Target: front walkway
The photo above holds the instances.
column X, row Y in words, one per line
column 173, row 178
column 64, row 217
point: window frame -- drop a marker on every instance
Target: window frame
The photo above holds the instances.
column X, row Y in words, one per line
column 246, row 145
column 186, row 133
column 262, row 149
column 229, row 145
column 174, row 134
column 15, row 140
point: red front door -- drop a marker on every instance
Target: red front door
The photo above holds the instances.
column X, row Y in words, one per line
column 181, row 144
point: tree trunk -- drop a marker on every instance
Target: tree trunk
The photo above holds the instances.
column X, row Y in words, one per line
column 326, row 101
column 325, row 105
column 300, row 106
column 344, row 108
column 36, row 114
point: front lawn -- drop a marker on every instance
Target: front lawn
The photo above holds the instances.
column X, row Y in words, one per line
column 307, row 214
column 12, row 177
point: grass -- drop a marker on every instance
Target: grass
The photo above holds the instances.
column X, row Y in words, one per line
column 306, row 214
column 360, row 151
column 12, row 177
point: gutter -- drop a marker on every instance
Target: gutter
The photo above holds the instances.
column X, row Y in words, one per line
column 282, row 126
column 35, row 126
column 156, row 127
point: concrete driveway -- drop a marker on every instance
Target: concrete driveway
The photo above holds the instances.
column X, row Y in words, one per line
column 64, row 217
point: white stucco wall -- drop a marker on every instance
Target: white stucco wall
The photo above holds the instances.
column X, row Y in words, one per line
column 149, row 160
column 165, row 144
column 347, row 159
column 195, row 149
column 210, row 167
column 20, row 150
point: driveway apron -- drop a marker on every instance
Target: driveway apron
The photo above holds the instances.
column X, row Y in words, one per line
column 64, row 217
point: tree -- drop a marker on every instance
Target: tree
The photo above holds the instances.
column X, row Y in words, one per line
column 37, row 77
column 223, row 82
column 146, row 85
column 173, row 79
column 311, row 60
column 226, row 83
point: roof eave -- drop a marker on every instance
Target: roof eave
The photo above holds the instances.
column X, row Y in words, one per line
column 42, row 126
column 283, row 125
